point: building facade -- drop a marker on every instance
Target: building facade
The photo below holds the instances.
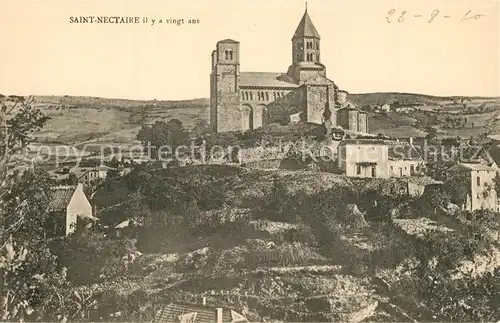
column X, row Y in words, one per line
column 349, row 116
column 67, row 204
column 241, row 101
column 363, row 158
column 482, row 193
column 378, row 158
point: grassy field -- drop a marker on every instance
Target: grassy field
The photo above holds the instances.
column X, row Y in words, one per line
column 102, row 121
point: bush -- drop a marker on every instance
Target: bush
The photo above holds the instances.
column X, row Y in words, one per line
column 91, row 257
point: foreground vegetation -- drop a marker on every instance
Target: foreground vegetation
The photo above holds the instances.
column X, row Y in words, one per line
column 287, row 245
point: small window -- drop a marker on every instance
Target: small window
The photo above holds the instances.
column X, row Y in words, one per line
column 374, row 171
column 392, row 168
column 267, row 96
column 412, row 168
column 478, row 181
column 358, row 170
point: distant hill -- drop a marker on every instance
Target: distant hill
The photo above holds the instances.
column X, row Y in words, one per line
column 80, row 119
column 364, row 99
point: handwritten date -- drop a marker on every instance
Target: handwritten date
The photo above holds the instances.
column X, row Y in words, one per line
column 394, row 16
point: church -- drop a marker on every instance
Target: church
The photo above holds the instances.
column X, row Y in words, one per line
column 241, row 101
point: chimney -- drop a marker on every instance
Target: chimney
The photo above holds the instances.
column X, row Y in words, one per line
column 204, row 301
column 218, row 314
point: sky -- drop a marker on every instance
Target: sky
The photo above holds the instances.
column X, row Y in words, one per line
column 42, row 53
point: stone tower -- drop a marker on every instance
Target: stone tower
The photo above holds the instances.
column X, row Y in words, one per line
column 306, row 51
column 224, row 86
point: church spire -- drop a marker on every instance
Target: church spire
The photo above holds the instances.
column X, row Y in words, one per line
column 306, row 27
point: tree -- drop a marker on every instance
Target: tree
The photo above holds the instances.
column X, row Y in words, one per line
column 496, row 182
column 162, row 134
column 202, row 127
column 32, row 284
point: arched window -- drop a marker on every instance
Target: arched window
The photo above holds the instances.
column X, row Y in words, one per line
column 274, row 94
column 230, row 54
column 258, row 96
column 267, row 96
column 226, row 54
column 317, row 45
column 262, row 96
column 251, row 96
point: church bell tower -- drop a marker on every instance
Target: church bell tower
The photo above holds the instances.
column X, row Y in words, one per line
column 306, row 51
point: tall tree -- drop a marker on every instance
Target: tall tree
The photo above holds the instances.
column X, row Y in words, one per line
column 164, row 136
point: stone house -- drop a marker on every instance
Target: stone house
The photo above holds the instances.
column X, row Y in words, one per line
column 66, row 205
column 363, row 158
column 404, row 159
column 378, row 158
column 481, row 193
column 89, row 175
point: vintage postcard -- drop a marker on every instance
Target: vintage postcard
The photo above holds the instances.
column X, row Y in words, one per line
column 250, row 161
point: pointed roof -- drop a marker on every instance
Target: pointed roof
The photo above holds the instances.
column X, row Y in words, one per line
column 306, row 28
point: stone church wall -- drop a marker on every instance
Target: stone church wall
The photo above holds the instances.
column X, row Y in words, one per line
column 316, row 99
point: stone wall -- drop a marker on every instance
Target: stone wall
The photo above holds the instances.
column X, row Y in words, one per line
column 316, row 103
column 249, row 155
column 353, row 120
column 363, row 122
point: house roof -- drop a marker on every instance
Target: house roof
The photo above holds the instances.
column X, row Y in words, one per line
column 362, row 142
column 59, row 198
column 306, row 28
column 171, row 313
column 477, row 166
column 228, row 40
column 268, row 79
column 319, row 80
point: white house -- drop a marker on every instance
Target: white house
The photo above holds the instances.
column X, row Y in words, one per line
column 378, row 158
column 66, row 205
column 404, row 159
column 482, row 193
column 385, row 107
column 89, row 175
column 363, row 158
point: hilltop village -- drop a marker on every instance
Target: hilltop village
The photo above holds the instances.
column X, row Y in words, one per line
column 291, row 201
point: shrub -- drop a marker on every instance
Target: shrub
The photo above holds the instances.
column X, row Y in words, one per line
column 91, row 257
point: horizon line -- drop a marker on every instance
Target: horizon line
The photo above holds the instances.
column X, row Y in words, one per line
column 208, row 97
